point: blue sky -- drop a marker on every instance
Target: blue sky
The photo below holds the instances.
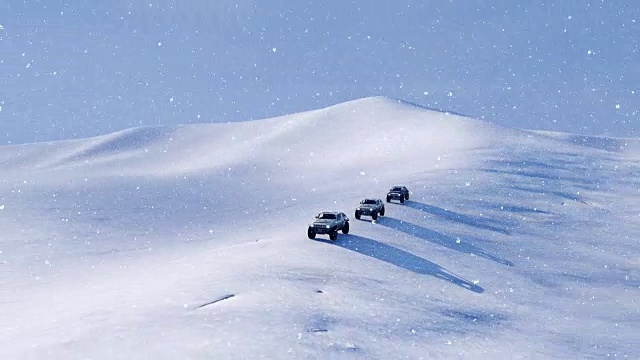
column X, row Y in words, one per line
column 76, row 68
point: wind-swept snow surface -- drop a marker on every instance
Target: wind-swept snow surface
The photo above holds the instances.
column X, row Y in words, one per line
column 190, row 242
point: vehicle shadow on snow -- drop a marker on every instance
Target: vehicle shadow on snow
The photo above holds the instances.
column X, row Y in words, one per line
column 475, row 221
column 402, row 259
column 438, row 238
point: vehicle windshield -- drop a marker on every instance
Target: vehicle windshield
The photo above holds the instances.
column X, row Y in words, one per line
column 368, row 201
column 396, row 188
column 327, row 216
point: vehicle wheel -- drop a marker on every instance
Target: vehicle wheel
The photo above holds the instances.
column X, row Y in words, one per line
column 382, row 211
column 388, row 198
column 407, row 197
column 357, row 215
column 401, row 200
column 311, row 233
column 374, row 216
column 333, row 235
column 345, row 228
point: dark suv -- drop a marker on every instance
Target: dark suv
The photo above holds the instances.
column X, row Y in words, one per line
column 370, row 207
column 329, row 223
column 398, row 193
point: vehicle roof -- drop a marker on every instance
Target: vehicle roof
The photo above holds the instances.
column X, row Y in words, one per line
column 330, row 212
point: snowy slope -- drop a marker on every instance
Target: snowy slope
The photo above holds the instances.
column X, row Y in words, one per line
column 190, row 242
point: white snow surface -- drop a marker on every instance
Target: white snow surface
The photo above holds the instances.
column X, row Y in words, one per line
column 514, row 244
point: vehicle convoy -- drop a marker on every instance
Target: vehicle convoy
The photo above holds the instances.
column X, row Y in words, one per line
column 329, row 223
column 398, row 193
column 370, row 207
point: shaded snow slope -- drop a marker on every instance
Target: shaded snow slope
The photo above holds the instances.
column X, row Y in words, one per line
column 627, row 146
column 190, row 242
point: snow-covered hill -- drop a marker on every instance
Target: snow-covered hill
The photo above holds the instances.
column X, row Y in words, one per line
column 190, row 241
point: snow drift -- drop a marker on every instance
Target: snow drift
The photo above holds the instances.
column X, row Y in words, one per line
column 190, row 241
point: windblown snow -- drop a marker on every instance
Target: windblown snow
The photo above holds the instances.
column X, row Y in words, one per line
column 190, row 241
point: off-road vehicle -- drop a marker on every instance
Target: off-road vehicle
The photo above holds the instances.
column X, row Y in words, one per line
column 370, row 207
column 329, row 223
column 398, row 193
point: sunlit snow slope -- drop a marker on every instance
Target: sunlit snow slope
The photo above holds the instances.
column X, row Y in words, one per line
column 190, row 242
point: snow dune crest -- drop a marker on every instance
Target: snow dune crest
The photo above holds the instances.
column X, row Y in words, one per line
column 360, row 133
